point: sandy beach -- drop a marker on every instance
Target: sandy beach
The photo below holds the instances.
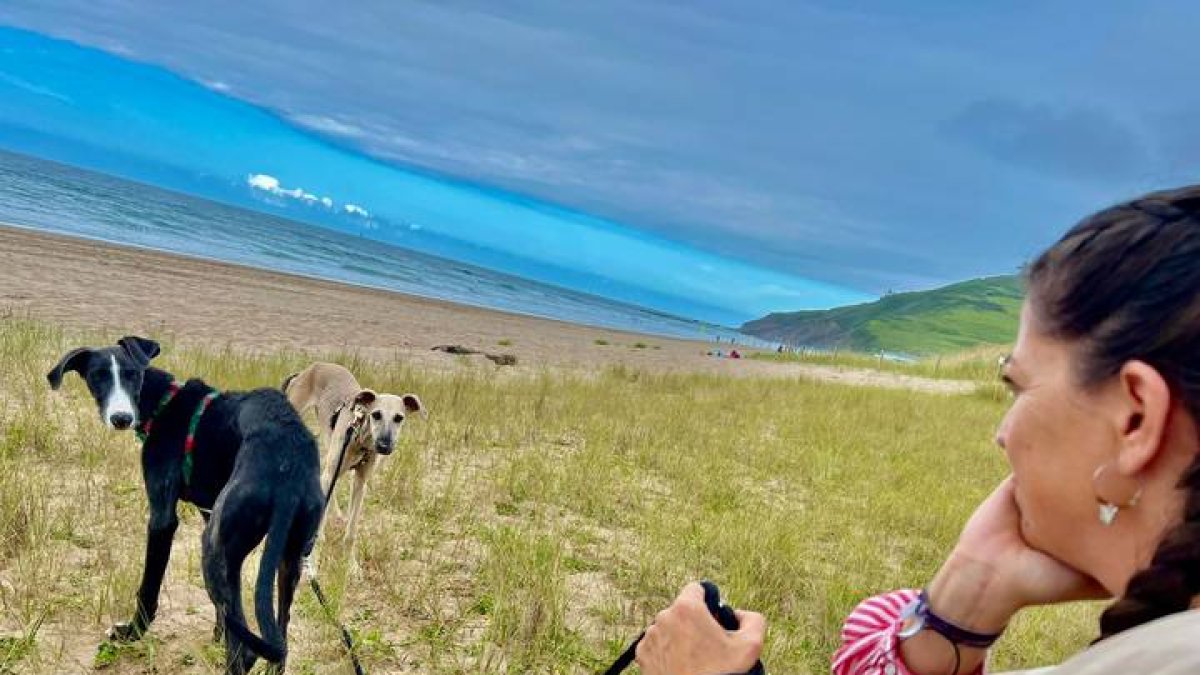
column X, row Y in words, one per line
column 92, row 285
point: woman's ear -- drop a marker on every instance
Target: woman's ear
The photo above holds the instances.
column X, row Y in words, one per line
column 1145, row 401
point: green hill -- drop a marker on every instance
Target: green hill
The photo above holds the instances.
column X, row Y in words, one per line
column 947, row 319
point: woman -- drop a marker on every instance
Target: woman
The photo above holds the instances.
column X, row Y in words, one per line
column 1104, row 496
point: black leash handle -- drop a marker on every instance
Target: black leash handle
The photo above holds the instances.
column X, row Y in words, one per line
column 723, row 614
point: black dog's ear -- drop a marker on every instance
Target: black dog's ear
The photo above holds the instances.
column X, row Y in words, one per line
column 140, row 348
column 72, row 361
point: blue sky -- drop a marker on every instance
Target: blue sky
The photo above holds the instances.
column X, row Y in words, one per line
column 883, row 146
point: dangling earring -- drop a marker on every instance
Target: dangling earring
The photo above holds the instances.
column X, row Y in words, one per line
column 1113, row 493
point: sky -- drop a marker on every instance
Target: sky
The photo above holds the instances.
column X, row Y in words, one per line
column 814, row 152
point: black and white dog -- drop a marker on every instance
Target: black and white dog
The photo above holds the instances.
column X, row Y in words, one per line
column 246, row 456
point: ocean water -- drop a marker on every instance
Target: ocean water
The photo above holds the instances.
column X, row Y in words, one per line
column 53, row 197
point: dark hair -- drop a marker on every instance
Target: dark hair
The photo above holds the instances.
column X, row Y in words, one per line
column 1124, row 284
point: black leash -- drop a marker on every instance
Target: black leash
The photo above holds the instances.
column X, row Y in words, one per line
column 723, row 614
column 349, row 642
column 312, row 578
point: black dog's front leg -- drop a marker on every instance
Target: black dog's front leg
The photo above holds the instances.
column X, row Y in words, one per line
column 160, row 534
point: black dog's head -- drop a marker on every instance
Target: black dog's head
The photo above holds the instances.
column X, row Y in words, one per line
column 113, row 376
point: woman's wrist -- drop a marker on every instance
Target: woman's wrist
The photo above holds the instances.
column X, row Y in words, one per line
column 972, row 594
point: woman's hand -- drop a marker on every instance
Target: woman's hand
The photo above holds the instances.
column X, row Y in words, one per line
column 995, row 569
column 991, row 574
column 685, row 639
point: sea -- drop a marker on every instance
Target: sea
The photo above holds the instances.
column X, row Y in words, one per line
column 47, row 196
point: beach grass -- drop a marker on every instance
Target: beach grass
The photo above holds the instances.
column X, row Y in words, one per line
column 979, row 364
column 534, row 523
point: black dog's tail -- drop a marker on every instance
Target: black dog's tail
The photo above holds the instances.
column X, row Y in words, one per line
column 287, row 382
column 270, row 646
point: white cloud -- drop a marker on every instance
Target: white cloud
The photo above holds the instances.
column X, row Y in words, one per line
column 262, row 181
column 270, row 184
column 216, row 85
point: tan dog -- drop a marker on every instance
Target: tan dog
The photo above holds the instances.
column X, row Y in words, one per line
column 340, row 402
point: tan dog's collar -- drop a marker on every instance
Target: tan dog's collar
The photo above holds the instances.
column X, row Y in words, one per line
column 356, row 423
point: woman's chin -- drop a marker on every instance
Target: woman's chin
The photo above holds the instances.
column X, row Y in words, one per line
column 1034, row 537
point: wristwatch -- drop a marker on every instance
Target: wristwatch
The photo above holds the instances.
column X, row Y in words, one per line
column 918, row 616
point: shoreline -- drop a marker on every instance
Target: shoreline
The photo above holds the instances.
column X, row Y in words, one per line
column 252, row 298
column 725, row 330
column 96, row 286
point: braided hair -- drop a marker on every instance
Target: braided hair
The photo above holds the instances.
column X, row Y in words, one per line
column 1124, row 284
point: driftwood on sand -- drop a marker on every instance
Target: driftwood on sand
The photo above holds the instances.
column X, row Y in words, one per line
column 498, row 359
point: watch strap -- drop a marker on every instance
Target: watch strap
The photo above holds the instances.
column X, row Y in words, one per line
column 954, row 633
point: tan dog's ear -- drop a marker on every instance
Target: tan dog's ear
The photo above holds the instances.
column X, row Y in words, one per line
column 412, row 403
column 365, row 398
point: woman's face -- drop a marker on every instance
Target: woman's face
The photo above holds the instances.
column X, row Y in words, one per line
column 1054, row 437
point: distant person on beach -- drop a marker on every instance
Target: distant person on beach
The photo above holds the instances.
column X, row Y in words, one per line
column 1104, row 497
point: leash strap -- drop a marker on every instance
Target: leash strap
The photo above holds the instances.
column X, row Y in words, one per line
column 336, row 413
column 626, row 658
column 346, row 639
column 312, row 580
column 350, row 431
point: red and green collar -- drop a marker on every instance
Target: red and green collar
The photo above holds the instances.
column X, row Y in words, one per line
column 143, row 431
column 189, row 443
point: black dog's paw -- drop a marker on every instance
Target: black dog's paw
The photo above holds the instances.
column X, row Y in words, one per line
column 125, row 632
column 218, row 634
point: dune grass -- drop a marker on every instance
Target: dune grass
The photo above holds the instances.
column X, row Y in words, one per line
column 534, row 523
column 979, row 364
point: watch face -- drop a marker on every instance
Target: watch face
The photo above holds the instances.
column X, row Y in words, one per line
column 911, row 620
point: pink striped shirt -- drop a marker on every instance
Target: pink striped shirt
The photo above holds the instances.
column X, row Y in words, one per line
column 870, row 645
